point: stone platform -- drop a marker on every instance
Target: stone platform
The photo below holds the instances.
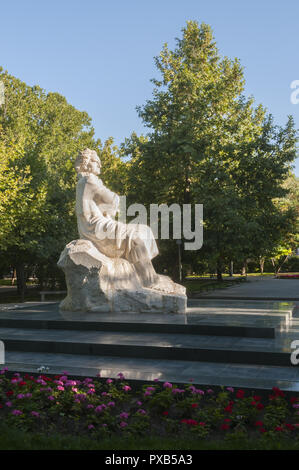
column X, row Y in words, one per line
column 215, row 343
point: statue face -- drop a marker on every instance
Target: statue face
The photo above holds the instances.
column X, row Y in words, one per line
column 94, row 164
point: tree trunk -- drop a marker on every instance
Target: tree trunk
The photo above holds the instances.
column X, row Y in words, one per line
column 262, row 263
column 231, row 269
column 13, row 276
column 21, row 284
column 244, row 269
column 219, row 271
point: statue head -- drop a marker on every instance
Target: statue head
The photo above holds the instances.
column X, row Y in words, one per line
column 88, row 162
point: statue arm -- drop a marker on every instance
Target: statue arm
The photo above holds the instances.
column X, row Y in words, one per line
column 106, row 200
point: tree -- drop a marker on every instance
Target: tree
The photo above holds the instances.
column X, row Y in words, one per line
column 41, row 136
column 208, row 144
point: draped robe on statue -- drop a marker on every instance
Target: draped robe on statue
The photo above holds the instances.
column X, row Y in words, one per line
column 94, row 204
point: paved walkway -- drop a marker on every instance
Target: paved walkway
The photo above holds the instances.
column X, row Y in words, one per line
column 259, row 288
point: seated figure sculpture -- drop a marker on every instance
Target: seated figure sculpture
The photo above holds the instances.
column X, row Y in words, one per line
column 109, row 268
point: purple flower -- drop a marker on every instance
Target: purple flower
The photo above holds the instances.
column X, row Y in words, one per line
column 139, row 403
column 87, row 380
column 141, row 411
column 35, row 413
column 124, row 415
column 150, row 389
column 8, row 403
column 167, row 385
column 16, row 412
column 123, row 424
column 99, row 409
column 51, row 398
column 90, row 406
column 111, row 403
column 20, row 396
column 90, row 426
column 210, row 391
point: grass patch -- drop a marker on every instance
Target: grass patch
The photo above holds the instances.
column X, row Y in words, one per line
column 16, row 439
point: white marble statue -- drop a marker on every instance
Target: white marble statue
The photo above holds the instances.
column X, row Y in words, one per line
column 110, row 267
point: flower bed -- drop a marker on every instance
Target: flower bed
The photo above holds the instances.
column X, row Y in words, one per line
column 103, row 408
column 288, row 276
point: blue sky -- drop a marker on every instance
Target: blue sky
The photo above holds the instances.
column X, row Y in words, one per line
column 99, row 54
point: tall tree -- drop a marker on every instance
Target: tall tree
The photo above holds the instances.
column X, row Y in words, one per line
column 209, row 144
column 47, row 133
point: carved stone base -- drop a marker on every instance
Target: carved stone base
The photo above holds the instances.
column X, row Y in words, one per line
column 96, row 283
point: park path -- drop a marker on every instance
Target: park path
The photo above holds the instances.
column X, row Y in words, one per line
column 259, row 288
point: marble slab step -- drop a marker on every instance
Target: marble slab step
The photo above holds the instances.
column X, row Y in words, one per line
column 193, row 325
column 262, row 351
column 147, row 370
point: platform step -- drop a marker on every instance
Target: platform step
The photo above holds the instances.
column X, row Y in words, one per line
column 151, row 346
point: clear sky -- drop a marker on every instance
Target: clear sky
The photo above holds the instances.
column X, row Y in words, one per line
column 99, row 53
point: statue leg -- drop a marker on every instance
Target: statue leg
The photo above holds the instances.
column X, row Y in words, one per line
column 139, row 257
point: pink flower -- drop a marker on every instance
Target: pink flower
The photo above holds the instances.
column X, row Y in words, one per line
column 90, row 426
column 60, row 388
column 8, row 403
column 210, row 391
column 109, row 381
column 16, row 412
column 99, row 409
column 230, row 389
column 139, row 403
column 167, row 385
column 141, row 411
column 126, row 388
column 123, row 424
column 124, row 415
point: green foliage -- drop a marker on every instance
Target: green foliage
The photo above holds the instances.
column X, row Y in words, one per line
column 40, row 136
column 208, row 144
